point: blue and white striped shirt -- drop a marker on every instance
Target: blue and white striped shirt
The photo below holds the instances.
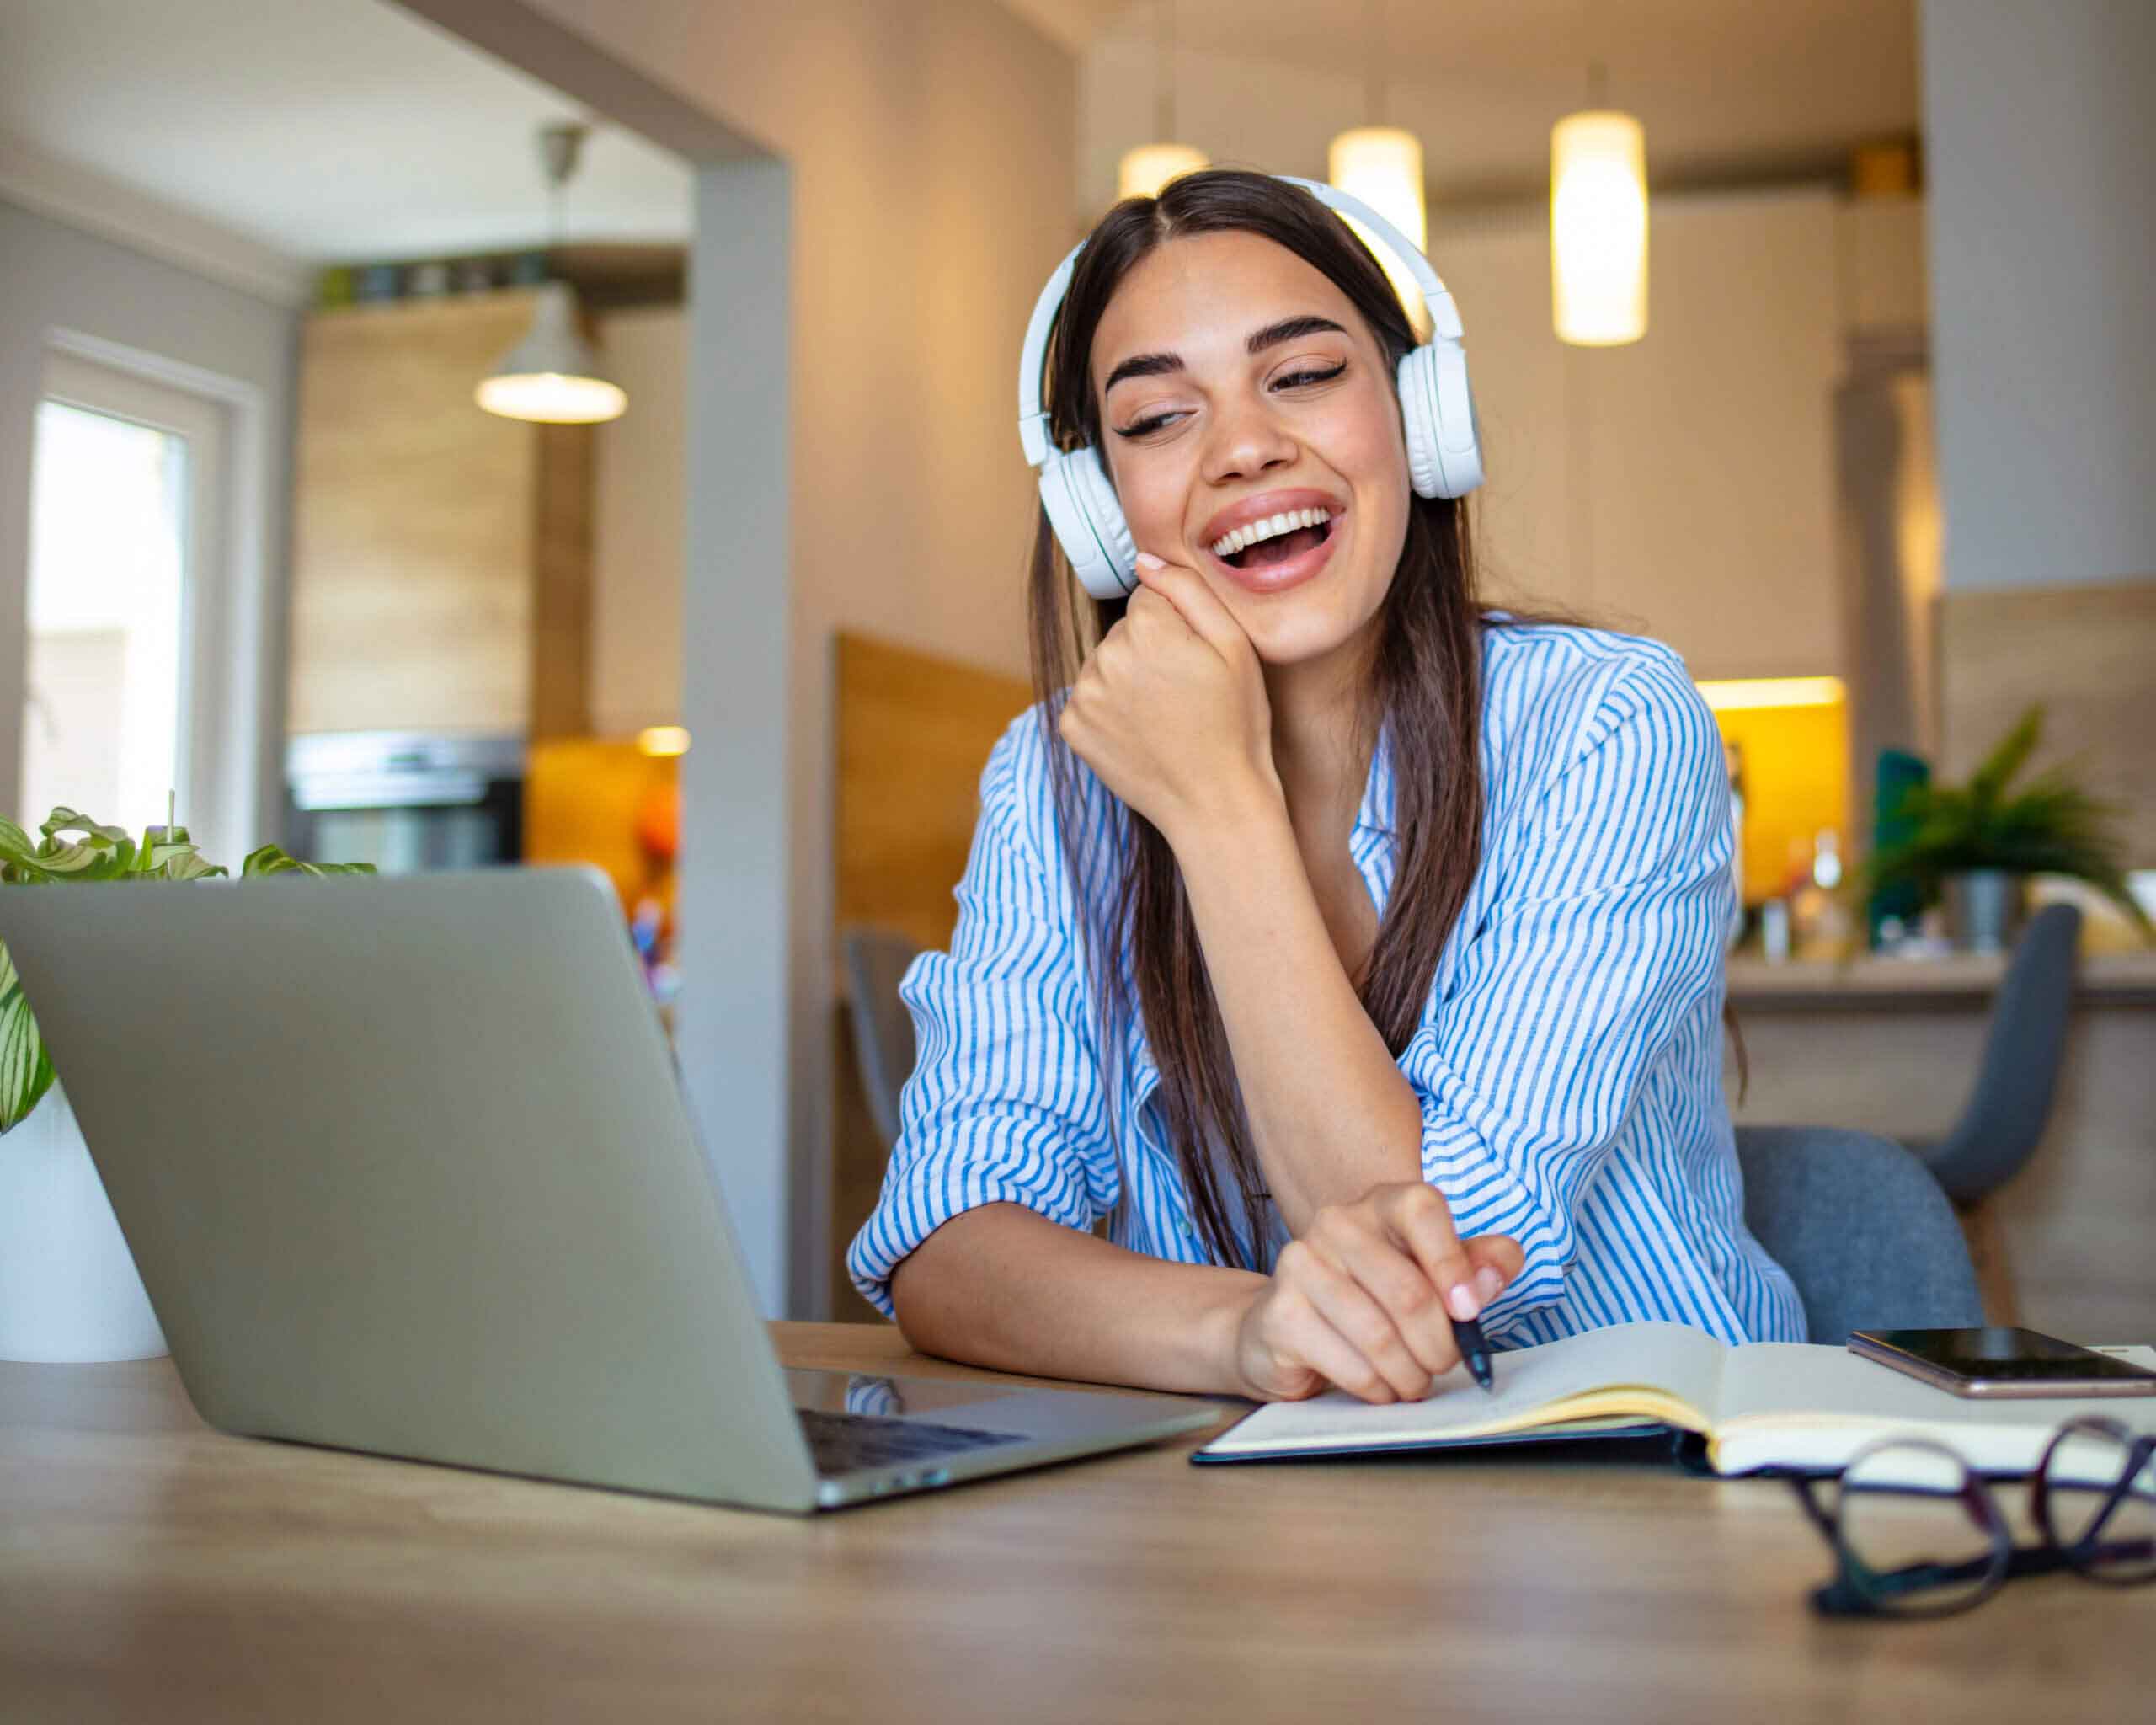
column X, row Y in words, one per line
column 1568, row 1060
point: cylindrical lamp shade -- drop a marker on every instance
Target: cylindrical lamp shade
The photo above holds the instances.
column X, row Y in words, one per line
column 1598, row 229
column 551, row 375
column 1145, row 170
column 1383, row 166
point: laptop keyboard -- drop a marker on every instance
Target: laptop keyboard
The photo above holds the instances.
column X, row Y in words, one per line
column 843, row 1443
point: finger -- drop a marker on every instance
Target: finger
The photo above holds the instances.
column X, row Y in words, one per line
column 1343, row 1303
column 1389, row 1274
column 1422, row 1219
column 1197, row 605
column 1497, row 1259
column 1299, row 1335
column 1149, row 608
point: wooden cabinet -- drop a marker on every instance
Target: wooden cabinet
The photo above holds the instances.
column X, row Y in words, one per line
column 1682, row 486
column 440, row 554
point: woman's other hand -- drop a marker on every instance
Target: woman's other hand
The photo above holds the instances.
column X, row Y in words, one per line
column 1170, row 710
column 1364, row 1299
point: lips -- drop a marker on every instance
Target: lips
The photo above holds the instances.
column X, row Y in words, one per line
column 1265, row 503
column 1271, row 578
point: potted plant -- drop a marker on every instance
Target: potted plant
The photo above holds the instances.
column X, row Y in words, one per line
column 1975, row 846
column 68, row 1287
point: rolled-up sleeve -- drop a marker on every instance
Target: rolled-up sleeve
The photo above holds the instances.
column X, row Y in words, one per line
column 1005, row 1102
column 1602, row 938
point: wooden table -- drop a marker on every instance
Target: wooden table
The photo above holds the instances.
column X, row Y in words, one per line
column 153, row 1569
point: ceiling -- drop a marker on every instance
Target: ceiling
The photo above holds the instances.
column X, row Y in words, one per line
column 323, row 130
column 339, row 129
column 1727, row 90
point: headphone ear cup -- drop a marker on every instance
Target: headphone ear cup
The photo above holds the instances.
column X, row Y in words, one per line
column 1437, row 412
column 1088, row 522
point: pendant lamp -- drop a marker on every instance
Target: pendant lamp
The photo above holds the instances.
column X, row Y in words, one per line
column 1143, row 171
column 1383, row 166
column 1599, row 225
column 552, row 377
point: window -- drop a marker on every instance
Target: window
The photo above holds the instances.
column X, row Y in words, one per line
column 123, row 688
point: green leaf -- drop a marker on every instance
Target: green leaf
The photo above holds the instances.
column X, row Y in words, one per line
column 66, row 819
column 2051, row 826
column 270, row 859
column 25, row 1069
column 15, row 847
column 1989, row 783
column 100, row 854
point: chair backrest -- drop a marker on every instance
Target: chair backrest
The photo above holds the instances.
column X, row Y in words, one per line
column 875, row 959
column 1862, row 1229
column 2004, row 1121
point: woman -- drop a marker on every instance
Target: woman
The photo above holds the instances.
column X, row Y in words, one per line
column 1348, row 957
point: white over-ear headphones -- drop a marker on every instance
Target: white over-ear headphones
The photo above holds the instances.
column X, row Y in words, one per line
column 1444, row 458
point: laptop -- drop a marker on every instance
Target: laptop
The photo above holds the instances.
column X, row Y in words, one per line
column 406, row 1169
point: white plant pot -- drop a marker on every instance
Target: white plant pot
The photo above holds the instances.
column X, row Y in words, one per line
column 69, row 1292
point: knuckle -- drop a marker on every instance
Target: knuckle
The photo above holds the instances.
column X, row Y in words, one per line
column 1377, row 1338
column 1410, row 1294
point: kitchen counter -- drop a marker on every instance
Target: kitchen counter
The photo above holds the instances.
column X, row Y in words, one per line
column 1877, row 985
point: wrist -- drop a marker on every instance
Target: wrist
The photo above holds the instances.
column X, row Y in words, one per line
column 1220, row 1328
column 1228, row 815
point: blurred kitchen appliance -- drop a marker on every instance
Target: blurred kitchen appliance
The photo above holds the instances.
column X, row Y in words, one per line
column 404, row 801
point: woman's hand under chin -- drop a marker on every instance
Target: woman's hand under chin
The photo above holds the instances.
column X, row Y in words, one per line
column 1170, row 710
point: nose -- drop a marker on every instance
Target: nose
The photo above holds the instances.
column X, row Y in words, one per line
column 1246, row 439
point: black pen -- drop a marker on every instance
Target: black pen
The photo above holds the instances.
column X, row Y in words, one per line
column 1474, row 1351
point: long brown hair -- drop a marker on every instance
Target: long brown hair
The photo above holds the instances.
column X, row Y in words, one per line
column 1423, row 694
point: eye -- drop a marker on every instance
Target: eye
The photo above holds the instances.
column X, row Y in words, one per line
column 1144, row 426
column 1295, row 380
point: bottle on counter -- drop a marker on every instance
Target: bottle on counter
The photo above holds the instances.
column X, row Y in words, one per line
column 1820, row 925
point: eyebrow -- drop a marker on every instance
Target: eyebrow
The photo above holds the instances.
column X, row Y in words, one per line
column 1286, row 330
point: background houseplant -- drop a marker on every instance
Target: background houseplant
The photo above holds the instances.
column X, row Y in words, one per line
column 1976, row 844
column 68, row 1287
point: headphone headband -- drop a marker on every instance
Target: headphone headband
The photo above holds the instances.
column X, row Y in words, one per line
column 1032, row 419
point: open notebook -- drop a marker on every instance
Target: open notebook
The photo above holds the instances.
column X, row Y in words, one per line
column 1767, row 1404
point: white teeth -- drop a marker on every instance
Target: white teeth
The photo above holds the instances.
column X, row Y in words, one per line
column 1272, row 527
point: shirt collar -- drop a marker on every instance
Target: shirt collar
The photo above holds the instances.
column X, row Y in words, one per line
column 1374, row 813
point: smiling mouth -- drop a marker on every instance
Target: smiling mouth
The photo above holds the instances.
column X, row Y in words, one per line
column 1280, row 548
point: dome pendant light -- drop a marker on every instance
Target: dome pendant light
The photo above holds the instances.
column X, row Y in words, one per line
column 552, row 377
column 1383, row 166
column 1599, row 225
column 1143, row 171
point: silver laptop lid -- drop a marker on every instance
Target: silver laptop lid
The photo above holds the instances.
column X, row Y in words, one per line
column 405, row 1168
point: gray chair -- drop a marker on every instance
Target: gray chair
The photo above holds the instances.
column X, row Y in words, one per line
column 1862, row 1229
column 875, row 960
column 2003, row 1119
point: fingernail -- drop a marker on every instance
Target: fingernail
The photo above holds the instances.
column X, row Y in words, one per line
column 1146, row 560
column 1487, row 1283
column 1462, row 1302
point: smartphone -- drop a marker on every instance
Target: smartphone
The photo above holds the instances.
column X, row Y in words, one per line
column 2002, row 1363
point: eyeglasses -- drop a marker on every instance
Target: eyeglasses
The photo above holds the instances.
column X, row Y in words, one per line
column 1917, row 1532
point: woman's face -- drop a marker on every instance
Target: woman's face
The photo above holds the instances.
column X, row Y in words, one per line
column 1236, row 385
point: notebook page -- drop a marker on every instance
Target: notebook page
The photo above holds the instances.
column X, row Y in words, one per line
column 1793, row 1404
column 1683, row 1363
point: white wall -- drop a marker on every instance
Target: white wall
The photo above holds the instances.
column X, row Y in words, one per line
column 54, row 279
column 927, row 148
column 2041, row 147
